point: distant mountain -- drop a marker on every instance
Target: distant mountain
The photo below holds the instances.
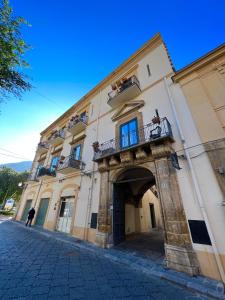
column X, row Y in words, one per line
column 18, row 166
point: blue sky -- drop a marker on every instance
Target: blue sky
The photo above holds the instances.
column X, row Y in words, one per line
column 75, row 44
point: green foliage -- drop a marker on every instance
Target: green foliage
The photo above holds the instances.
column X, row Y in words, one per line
column 9, row 180
column 7, row 213
column 12, row 49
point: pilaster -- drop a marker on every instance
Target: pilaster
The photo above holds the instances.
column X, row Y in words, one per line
column 178, row 247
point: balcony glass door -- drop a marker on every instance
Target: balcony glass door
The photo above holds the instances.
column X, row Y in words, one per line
column 65, row 214
column 54, row 163
column 129, row 134
column 76, row 152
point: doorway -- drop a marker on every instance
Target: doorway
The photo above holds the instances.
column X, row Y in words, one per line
column 42, row 211
column 137, row 221
column 26, row 210
column 65, row 214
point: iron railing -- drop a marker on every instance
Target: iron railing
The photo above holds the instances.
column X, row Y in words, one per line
column 148, row 133
column 76, row 120
column 59, row 133
column 126, row 84
column 47, row 171
column 70, row 162
column 44, row 145
column 32, row 177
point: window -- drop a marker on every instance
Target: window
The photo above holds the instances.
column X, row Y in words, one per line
column 129, row 134
column 77, row 152
column 149, row 71
column 54, row 163
column 83, row 116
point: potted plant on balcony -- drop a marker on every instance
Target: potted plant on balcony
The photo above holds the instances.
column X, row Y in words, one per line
column 95, row 146
column 61, row 160
column 156, row 119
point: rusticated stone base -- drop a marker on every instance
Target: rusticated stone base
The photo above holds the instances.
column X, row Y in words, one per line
column 101, row 239
column 181, row 259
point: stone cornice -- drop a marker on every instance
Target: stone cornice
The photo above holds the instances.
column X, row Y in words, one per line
column 199, row 63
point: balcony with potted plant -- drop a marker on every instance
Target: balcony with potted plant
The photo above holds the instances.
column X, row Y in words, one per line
column 77, row 124
column 57, row 137
column 128, row 89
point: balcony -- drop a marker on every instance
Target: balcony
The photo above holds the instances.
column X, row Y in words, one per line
column 129, row 89
column 47, row 172
column 77, row 124
column 155, row 132
column 32, row 178
column 42, row 147
column 69, row 165
column 56, row 138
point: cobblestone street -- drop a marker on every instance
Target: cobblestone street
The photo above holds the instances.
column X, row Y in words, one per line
column 33, row 266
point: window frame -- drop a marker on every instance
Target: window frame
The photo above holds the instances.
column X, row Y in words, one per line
column 55, row 165
column 72, row 152
column 120, row 134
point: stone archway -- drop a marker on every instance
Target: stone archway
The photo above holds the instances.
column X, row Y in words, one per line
column 128, row 191
column 178, row 247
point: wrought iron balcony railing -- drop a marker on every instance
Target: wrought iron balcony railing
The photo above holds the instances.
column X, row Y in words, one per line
column 149, row 133
column 130, row 88
column 32, row 177
column 76, row 120
column 126, row 84
column 77, row 124
column 57, row 134
column 47, row 171
column 69, row 164
column 42, row 147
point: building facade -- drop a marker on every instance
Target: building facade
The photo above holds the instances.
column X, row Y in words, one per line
column 203, row 84
column 121, row 161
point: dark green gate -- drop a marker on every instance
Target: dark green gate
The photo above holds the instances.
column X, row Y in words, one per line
column 42, row 212
column 26, row 210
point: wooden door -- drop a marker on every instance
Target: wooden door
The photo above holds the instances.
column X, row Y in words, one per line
column 42, row 212
column 118, row 215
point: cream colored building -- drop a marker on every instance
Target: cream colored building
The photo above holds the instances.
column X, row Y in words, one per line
column 107, row 168
column 203, row 85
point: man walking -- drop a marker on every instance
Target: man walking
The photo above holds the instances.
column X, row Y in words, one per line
column 30, row 217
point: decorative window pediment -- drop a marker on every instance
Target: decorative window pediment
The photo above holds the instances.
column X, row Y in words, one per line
column 127, row 108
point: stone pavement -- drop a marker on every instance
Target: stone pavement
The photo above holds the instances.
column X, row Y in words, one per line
column 4, row 218
column 41, row 265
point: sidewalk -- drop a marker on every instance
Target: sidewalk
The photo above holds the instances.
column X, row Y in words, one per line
column 199, row 284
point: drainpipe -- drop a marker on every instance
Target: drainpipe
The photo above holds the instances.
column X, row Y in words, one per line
column 196, row 185
column 90, row 192
column 37, row 194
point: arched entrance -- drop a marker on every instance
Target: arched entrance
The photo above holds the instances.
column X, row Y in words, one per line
column 179, row 253
column 136, row 211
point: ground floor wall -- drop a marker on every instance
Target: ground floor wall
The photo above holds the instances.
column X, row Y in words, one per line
column 56, row 190
column 88, row 193
column 212, row 204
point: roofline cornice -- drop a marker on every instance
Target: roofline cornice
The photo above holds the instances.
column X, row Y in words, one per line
column 199, row 63
column 148, row 45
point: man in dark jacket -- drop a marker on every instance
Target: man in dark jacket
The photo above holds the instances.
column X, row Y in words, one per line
column 30, row 217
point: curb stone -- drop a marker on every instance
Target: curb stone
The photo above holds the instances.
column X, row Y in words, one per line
column 200, row 284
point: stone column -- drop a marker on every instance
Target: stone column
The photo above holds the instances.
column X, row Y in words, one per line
column 178, row 247
column 104, row 218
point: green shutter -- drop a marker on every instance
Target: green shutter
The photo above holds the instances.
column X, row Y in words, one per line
column 42, row 212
